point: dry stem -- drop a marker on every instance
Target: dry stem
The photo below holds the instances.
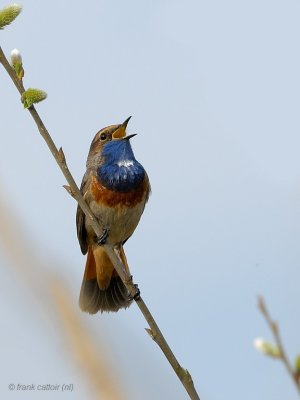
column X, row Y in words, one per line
column 156, row 334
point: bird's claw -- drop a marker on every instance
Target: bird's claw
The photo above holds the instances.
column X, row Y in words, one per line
column 137, row 294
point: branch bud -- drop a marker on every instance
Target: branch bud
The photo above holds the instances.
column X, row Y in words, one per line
column 8, row 14
column 16, row 62
column 32, row 96
column 266, row 348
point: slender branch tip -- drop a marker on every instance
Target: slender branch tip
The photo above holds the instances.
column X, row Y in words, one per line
column 69, row 190
column 150, row 332
column 61, row 156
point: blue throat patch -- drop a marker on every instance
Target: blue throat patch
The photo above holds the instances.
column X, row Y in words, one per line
column 120, row 171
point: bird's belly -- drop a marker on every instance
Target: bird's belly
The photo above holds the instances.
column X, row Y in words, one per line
column 117, row 212
column 120, row 220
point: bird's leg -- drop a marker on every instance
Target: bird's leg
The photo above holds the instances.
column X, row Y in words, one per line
column 124, row 260
column 119, row 250
column 121, row 256
column 101, row 240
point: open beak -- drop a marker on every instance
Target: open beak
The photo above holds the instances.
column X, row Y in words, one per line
column 129, row 136
column 120, row 133
column 125, row 123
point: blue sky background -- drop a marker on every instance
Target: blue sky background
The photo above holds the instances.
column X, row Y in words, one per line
column 213, row 88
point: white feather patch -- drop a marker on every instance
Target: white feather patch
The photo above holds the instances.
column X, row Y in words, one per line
column 125, row 163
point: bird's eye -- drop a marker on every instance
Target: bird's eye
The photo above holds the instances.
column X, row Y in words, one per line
column 103, row 136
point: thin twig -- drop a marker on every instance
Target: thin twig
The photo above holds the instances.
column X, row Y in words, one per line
column 275, row 330
column 155, row 332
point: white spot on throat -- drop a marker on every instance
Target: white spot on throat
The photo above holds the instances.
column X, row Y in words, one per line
column 125, row 163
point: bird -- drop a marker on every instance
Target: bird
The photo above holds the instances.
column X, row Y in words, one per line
column 116, row 187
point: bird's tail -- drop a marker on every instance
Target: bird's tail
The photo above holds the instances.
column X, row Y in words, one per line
column 102, row 289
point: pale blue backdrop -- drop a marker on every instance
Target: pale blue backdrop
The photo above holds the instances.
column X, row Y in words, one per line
column 213, row 88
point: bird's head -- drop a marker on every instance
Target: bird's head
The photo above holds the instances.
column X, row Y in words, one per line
column 110, row 143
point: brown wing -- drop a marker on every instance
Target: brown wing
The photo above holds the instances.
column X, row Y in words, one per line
column 80, row 221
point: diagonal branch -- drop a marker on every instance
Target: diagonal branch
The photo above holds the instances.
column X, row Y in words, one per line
column 275, row 330
column 73, row 189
